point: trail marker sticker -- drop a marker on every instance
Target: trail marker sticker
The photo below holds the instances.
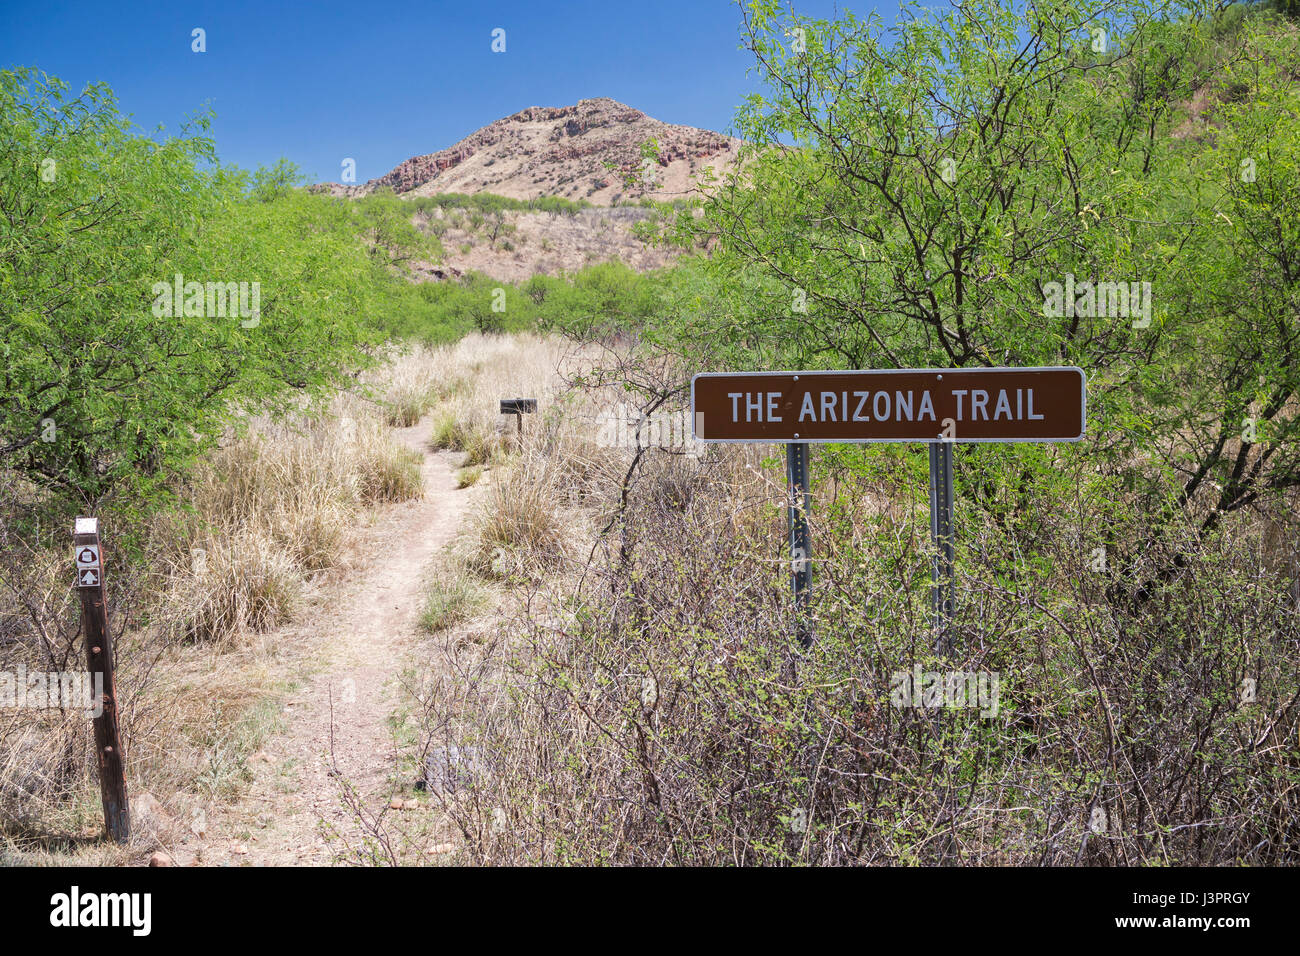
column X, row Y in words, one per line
column 902, row 405
column 89, row 571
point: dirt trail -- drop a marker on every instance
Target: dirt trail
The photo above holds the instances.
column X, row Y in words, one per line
column 364, row 639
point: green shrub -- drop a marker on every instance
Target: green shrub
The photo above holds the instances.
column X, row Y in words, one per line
column 110, row 388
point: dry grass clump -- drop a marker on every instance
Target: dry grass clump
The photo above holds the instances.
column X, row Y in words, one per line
column 238, row 585
column 476, row 440
column 405, row 390
column 452, row 599
column 407, row 409
column 272, row 507
column 517, row 527
column 392, row 474
column 480, row 447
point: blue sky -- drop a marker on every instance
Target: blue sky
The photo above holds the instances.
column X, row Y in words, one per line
column 320, row 81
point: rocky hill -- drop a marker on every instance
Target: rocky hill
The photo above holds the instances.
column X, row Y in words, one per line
column 565, row 151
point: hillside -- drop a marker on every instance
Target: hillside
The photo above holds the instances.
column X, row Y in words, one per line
column 537, row 243
column 590, row 152
column 563, row 151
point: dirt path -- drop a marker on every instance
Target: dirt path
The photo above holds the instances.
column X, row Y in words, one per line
column 365, row 639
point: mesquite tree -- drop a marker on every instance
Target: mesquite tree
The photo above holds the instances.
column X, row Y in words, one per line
column 1108, row 185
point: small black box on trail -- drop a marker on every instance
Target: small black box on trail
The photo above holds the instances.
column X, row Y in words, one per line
column 518, row 406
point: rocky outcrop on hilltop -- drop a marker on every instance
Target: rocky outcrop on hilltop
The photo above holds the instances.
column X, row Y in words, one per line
column 586, row 151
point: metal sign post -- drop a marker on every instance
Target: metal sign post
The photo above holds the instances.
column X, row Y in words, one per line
column 99, row 658
column 796, row 460
column 943, row 588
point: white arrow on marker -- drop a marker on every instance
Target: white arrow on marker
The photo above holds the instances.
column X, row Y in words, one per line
column 89, row 578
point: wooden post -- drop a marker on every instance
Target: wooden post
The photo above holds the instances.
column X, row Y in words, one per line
column 99, row 658
column 518, row 407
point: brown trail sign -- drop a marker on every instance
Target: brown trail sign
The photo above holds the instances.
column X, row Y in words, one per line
column 939, row 406
column 964, row 405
